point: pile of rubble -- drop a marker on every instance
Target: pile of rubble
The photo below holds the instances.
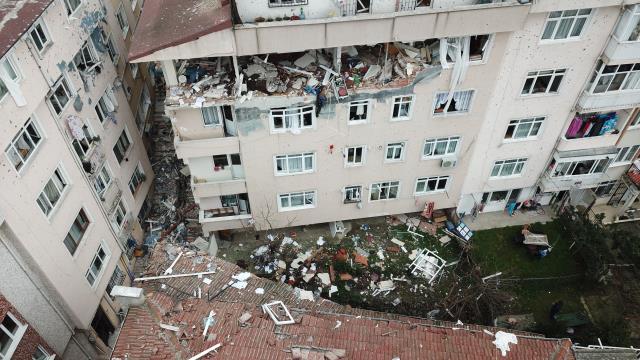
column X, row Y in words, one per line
column 203, row 79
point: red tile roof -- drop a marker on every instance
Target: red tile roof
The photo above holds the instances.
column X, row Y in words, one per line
column 16, row 16
column 167, row 23
column 362, row 334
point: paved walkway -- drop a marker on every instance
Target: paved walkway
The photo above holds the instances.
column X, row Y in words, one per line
column 500, row 219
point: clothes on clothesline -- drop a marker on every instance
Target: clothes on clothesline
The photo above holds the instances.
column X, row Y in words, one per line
column 592, row 125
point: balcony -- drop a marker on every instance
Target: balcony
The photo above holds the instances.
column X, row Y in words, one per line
column 214, row 187
column 594, row 130
column 233, row 212
column 621, row 51
column 577, row 169
column 206, row 147
column 611, row 100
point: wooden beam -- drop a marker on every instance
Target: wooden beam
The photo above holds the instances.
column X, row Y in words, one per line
column 173, row 276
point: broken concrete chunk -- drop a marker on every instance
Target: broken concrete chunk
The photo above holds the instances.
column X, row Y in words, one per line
column 305, row 294
column 397, row 242
column 244, row 318
column 304, row 61
column 325, row 278
column 373, row 71
column 282, row 264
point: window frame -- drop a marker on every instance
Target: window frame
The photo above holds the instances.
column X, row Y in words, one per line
column 91, row 51
column 558, row 20
column 303, row 156
column 425, row 180
column 69, row 92
column 435, row 141
column 45, row 32
column 278, row 3
column 446, row 111
column 82, row 213
column 120, row 209
column 44, row 352
column 126, row 151
column 501, row 164
column 630, row 153
column 350, row 190
column 536, row 74
column 348, row 163
column 112, row 50
column 71, row 12
column 599, row 73
column 368, row 103
column 634, row 121
column 16, row 337
column 139, row 176
column 289, row 114
column 399, row 101
column 104, row 262
column 611, row 184
column 218, row 113
column 384, row 185
column 99, row 176
column 628, row 23
column 402, row 145
column 573, row 164
column 517, row 123
column 123, row 22
column 304, row 195
column 23, row 130
column 89, row 134
column 9, row 59
column 66, row 184
column 101, row 109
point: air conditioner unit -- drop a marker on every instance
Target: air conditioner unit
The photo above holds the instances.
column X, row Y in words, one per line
column 449, row 162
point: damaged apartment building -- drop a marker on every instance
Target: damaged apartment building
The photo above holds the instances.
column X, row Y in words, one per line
column 298, row 112
column 75, row 174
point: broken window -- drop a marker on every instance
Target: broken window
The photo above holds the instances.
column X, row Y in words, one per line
column 24, row 144
column 11, row 331
column 402, row 107
column 72, row 5
column 352, row 194
column 85, row 58
column 434, row 148
column 137, row 178
column 60, row 95
column 10, row 69
column 122, row 146
column 76, row 232
column 97, row 264
column 82, row 146
column 478, row 45
column 220, row 161
column 566, row 24
column 121, row 16
column 475, row 47
column 359, row 112
column 119, row 215
column 211, row 116
column 628, row 28
column 39, row 35
column 297, row 200
column 354, row 156
column 543, row 82
column 511, row 167
column 626, row 154
column 523, row 128
column 608, row 78
column 283, row 119
column 459, row 102
column 384, row 190
column 104, row 107
column 229, row 200
column 282, row 3
column 431, row 184
column 395, row 151
column 295, row 163
column 52, row 192
column 581, row 167
column 102, row 180
column 604, row 188
column 107, row 41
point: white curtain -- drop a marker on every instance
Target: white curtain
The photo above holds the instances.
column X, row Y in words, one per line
column 463, row 99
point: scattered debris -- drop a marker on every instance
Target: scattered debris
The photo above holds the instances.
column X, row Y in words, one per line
column 170, row 327
column 278, row 313
column 502, row 341
column 173, row 276
column 428, row 265
column 304, row 294
column 204, row 353
column 259, row 291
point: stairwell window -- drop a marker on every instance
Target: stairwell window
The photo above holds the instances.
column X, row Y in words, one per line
column 292, row 119
column 626, row 154
column 11, row 332
column 436, row 148
column 96, row 268
column 386, row 190
column 122, row 146
column 50, row 196
column 460, row 102
column 352, row 194
column 297, row 201
column 354, row 156
column 567, row 24
column 431, row 184
column 102, row 180
column 402, row 107
column 76, row 232
column 543, row 82
column 522, row 129
column 612, row 78
column 395, row 152
column 628, row 28
column 137, row 178
column 359, row 112
column 121, row 16
column 295, row 163
column 24, row 144
column 40, row 37
column 119, row 215
column 60, row 95
column 72, row 5
column 505, row 168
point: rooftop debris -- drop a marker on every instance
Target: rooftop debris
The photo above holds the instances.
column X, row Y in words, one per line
column 278, row 312
column 502, row 341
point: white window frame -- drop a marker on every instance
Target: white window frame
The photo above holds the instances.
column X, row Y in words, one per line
column 401, row 145
column 104, row 262
column 285, row 160
column 124, row 132
column 90, row 51
column 45, row 32
column 384, row 185
column 107, row 41
column 626, row 155
column 572, row 164
column 9, row 61
column 452, row 43
column 566, row 15
column 434, row 142
column 120, row 209
column 604, row 184
column 25, row 162
column 535, row 75
column 87, row 141
column 70, row 10
column 630, row 78
column 446, row 112
column 500, row 164
column 44, row 352
column 210, row 110
column 134, row 5
column 99, row 177
column 85, row 230
column 139, row 176
column 518, row 123
column 634, row 121
column 629, row 22
column 438, row 180
column 312, row 194
column 65, row 84
column 352, row 191
column 348, row 163
column 101, row 109
column 15, row 338
column 62, row 192
column 368, row 104
column 134, row 68
column 292, row 118
column 123, row 21
column 400, row 101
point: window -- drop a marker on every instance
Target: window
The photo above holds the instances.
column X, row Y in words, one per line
column 354, row 156
column 134, row 69
column 297, row 200
column 40, row 354
column 24, row 144
column 107, row 41
column 211, row 116
column 566, row 24
column 119, row 215
column 97, row 264
column 104, row 107
column 295, row 163
column 220, row 161
column 137, row 179
column 431, row 184
column 635, row 119
column 229, row 200
column 102, row 180
column 117, row 279
column 122, row 146
column 11, row 331
column 9, row 69
column 279, row 3
column 581, row 167
column 543, row 82
column 72, row 5
column 628, row 28
column 476, row 46
column 60, row 95
column 626, row 154
column 293, row 119
column 78, row 228
column 52, row 192
column 609, row 78
column 402, row 106
column 82, row 146
column 143, row 108
column 503, row 168
column 384, row 190
column 40, row 36
column 604, row 188
column 460, row 102
column 524, row 128
column 134, row 3
column 352, row 194
column 85, row 58
column 434, row 148
column 121, row 16
column 359, row 112
column 395, row 151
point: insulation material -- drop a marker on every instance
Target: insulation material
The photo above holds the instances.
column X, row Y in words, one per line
column 502, row 341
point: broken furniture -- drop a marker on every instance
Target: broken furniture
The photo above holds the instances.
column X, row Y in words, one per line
column 428, row 265
column 537, row 244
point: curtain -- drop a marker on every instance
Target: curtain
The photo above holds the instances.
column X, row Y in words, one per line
column 563, row 28
column 441, row 99
column 463, row 99
column 295, row 164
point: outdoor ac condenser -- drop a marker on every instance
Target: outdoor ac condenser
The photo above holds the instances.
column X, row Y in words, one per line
column 449, row 162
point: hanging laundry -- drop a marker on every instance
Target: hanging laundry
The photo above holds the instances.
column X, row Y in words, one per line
column 76, row 126
column 574, row 127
